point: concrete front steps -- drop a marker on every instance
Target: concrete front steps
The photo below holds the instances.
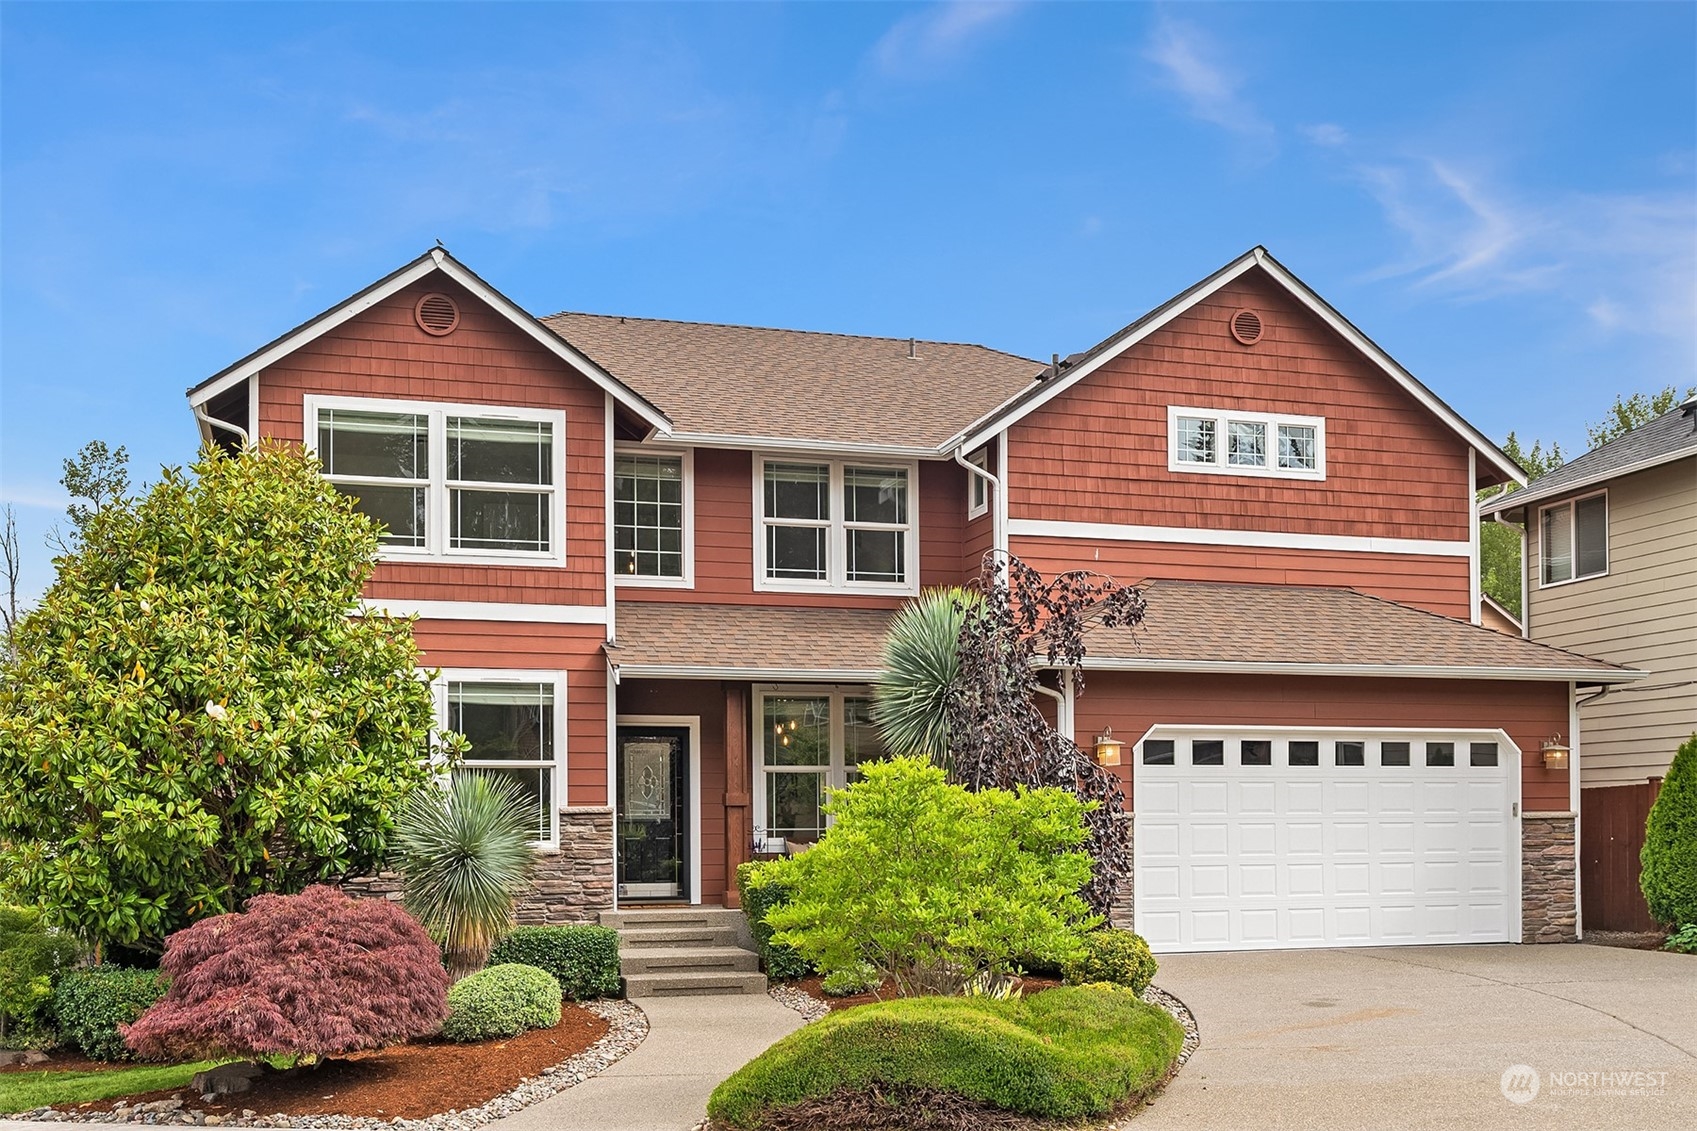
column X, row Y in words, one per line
column 674, row 951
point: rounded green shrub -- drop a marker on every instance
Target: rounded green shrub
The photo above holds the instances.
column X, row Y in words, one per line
column 1066, row 1053
column 860, row 978
column 1669, row 860
column 582, row 958
column 764, row 888
column 91, row 1004
column 1120, row 957
column 502, row 1001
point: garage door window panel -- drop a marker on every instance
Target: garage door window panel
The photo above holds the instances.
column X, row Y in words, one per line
column 1208, row 752
column 1393, row 753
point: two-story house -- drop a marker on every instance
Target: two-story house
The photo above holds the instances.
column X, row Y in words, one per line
column 1611, row 571
column 655, row 560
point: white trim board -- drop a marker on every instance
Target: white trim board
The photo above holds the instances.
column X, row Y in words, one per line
column 432, row 261
column 1404, row 671
column 685, row 671
column 1255, row 539
column 1012, row 410
column 515, row 613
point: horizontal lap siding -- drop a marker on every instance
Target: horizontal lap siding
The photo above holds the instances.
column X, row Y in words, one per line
column 1529, row 712
column 724, row 537
column 1437, row 584
column 382, row 353
column 1098, row 452
column 571, row 648
column 705, row 698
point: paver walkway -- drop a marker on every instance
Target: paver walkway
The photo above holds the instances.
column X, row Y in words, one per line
column 1420, row 1037
column 692, row 1044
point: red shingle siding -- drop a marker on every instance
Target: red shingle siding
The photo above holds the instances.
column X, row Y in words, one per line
column 572, row 648
column 382, row 353
column 1437, row 584
column 1098, row 452
column 1529, row 712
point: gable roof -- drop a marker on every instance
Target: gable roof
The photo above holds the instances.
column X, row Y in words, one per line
column 754, row 387
column 1671, row 436
column 1199, row 626
column 432, row 261
column 1082, row 365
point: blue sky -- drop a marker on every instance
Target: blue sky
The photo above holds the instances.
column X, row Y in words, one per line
column 1504, row 196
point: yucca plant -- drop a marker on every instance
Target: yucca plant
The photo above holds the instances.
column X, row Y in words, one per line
column 466, row 854
column 921, row 659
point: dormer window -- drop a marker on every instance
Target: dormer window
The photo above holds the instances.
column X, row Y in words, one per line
column 1224, row 442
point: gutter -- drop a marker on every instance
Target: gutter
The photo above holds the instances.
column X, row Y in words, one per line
column 1405, row 671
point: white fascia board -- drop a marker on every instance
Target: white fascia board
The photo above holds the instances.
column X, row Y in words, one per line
column 1514, row 500
column 436, row 260
column 782, row 675
column 1256, row 539
column 509, row 612
column 992, row 421
column 797, row 444
column 1403, row 671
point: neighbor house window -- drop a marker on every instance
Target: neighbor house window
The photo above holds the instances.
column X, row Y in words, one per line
column 812, row 740
column 650, row 505
column 1246, row 443
column 1574, row 539
column 461, row 481
column 513, row 727
column 844, row 525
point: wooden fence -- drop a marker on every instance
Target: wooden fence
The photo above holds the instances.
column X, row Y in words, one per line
column 1611, row 824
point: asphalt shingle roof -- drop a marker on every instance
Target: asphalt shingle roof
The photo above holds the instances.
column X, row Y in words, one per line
column 750, row 638
column 1671, row 433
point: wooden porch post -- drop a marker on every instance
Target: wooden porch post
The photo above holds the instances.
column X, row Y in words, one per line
column 739, row 832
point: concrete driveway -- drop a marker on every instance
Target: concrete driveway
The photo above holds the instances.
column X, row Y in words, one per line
column 1420, row 1037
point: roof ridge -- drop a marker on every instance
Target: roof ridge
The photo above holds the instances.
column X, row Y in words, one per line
column 788, row 330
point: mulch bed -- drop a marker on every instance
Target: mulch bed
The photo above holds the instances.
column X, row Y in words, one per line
column 813, row 985
column 63, row 1061
column 412, row 1081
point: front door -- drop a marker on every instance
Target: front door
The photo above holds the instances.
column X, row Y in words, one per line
column 653, row 812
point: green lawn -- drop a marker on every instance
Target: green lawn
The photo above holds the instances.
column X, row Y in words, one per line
column 24, row 1091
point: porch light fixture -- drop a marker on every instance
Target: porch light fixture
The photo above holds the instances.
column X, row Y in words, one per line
column 1555, row 753
column 1108, row 748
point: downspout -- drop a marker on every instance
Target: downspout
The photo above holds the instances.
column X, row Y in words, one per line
column 1475, row 583
column 993, row 483
column 1573, row 803
column 209, row 422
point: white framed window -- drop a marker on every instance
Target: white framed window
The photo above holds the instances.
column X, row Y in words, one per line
column 1225, row 442
column 810, row 739
column 653, row 517
column 1573, row 539
column 977, row 487
column 474, row 483
column 838, row 524
column 515, row 722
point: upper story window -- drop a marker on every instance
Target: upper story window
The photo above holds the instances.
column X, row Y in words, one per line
column 1574, row 539
column 1246, row 443
column 652, row 497
column 835, row 525
column 469, row 482
column 977, row 487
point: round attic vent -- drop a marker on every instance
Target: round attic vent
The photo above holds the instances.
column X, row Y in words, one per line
column 1246, row 327
column 437, row 314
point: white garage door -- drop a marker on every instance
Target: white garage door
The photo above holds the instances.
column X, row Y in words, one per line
column 1268, row 838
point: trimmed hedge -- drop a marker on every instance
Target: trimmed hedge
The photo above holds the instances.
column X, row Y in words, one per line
column 582, row 958
column 502, row 1001
column 761, row 891
column 92, row 1003
column 1110, row 955
column 1066, row 1053
column 1669, row 860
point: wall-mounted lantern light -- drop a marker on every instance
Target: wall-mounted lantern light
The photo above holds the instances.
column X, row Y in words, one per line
column 1108, row 748
column 1555, row 753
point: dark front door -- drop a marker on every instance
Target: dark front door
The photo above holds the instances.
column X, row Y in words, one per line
column 653, row 812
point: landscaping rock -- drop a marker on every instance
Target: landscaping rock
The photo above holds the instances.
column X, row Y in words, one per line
column 9, row 1057
column 227, row 1078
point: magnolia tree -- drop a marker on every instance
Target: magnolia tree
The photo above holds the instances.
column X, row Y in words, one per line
column 194, row 714
column 311, row 975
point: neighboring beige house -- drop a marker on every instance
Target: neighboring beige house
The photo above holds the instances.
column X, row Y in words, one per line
column 1498, row 619
column 1611, row 572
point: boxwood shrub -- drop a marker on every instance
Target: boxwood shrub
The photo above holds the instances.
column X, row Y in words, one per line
column 583, row 959
column 502, row 1001
column 761, row 891
column 91, row 1004
column 1120, row 957
column 1669, row 860
column 1067, row 1053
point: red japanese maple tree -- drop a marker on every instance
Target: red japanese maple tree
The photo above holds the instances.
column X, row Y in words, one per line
column 314, row 974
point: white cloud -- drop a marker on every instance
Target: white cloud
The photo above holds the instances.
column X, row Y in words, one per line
column 43, row 498
column 916, row 45
column 1326, row 133
column 1190, row 64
